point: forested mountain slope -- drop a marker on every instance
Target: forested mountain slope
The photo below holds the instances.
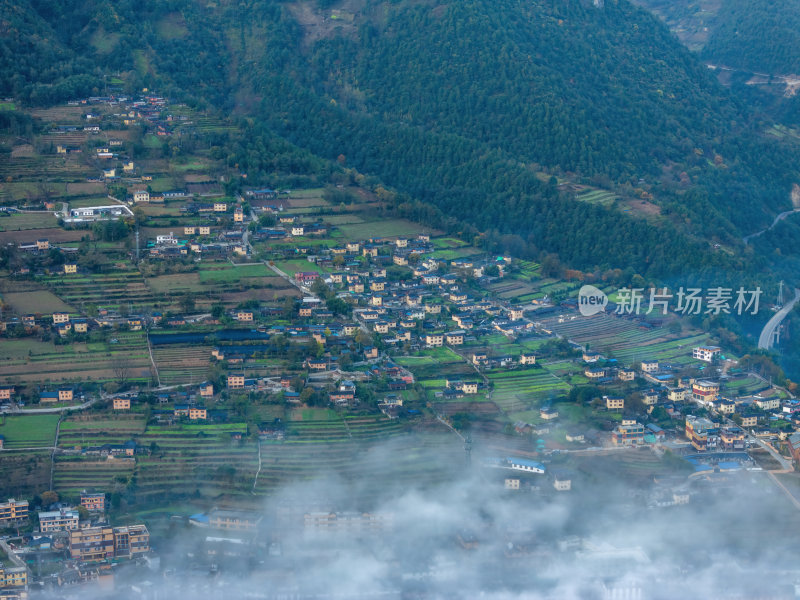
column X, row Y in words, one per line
column 461, row 105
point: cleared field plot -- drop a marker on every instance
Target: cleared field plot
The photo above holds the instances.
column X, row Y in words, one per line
column 107, row 290
column 230, row 273
column 35, row 361
column 625, row 340
column 514, row 289
column 29, row 431
column 39, row 302
column 87, row 202
column 108, row 423
column 175, row 284
column 179, row 363
column 55, row 235
column 601, row 197
column 346, row 219
column 448, row 243
column 515, row 389
column 455, row 253
column 85, row 188
column 73, row 475
column 746, row 386
column 24, row 221
column 24, row 473
column 290, row 267
column 383, row 228
column 406, row 459
column 197, row 458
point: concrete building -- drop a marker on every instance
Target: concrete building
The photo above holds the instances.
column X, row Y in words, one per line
column 628, row 433
column 706, row 353
column 701, row 433
column 235, row 382
column 234, row 520
column 93, row 502
column 122, row 403
column 705, row 392
column 58, row 520
column 13, row 512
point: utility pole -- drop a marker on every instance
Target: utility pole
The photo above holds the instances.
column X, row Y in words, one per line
column 137, row 245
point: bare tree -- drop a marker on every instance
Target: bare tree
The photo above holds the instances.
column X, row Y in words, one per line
column 121, row 369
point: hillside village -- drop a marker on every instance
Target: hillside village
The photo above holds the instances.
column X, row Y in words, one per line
column 168, row 337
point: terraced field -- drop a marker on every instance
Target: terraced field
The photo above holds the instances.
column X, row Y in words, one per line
column 23, row 473
column 34, row 361
column 191, row 458
column 625, row 341
column 108, row 290
column 182, row 363
column 513, row 389
column 29, row 431
column 73, row 474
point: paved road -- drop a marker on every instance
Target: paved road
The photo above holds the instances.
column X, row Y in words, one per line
column 43, row 411
column 291, row 280
column 768, row 333
column 777, row 220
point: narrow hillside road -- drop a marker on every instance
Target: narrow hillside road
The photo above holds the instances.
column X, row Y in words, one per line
column 152, row 361
column 291, row 280
column 777, row 220
column 45, row 411
column 258, row 472
column 768, row 333
column 53, row 453
column 792, row 498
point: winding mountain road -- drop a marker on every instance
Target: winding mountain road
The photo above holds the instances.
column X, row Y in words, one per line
column 767, row 337
column 777, row 220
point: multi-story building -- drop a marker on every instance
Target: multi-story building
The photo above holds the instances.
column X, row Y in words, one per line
column 12, row 577
column 628, row 433
column 650, row 397
column 6, row 392
column 91, row 544
column 433, row 340
column 732, row 438
column 70, row 268
column 649, row 366
column 122, row 403
column 198, row 414
column 701, row 433
column 235, row 382
column 131, row 541
column 678, row 394
column 749, row 420
column 706, row 353
column 93, row 502
column 60, row 317
column 58, row 520
column 455, row 338
column 614, row 403
column 527, row 359
column 768, row 403
column 347, row 522
column 705, row 392
column 13, row 512
column 95, row 544
column 230, row 520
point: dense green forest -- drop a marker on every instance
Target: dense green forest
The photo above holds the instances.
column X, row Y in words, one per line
column 472, row 111
column 763, row 37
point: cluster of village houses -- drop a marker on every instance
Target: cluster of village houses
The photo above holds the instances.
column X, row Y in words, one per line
column 87, row 540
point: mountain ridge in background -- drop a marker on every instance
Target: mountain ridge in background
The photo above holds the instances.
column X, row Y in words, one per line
column 478, row 109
